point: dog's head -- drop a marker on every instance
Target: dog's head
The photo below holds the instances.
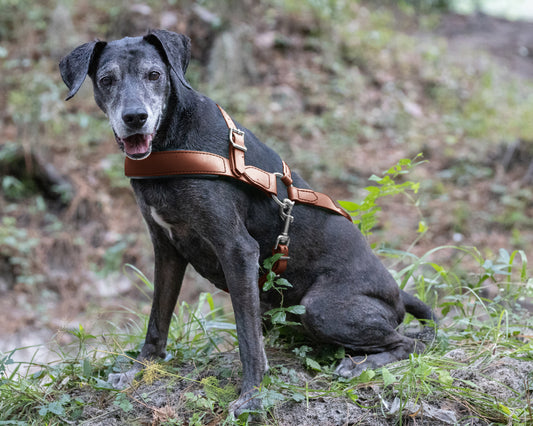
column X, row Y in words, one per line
column 132, row 80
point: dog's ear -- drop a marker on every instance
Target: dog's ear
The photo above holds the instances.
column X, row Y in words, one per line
column 177, row 49
column 76, row 65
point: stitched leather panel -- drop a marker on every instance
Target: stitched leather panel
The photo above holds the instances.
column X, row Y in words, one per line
column 307, row 196
column 177, row 163
column 265, row 180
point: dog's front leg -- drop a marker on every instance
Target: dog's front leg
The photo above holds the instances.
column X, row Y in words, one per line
column 168, row 276
column 241, row 272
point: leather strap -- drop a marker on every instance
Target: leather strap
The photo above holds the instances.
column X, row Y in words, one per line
column 237, row 147
column 172, row 163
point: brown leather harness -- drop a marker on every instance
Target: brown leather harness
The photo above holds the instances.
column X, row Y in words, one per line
column 182, row 162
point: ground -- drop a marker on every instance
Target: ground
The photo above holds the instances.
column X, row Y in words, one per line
column 64, row 250
column 313, row 401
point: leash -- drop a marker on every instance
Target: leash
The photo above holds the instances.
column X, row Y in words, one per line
column 183, row 162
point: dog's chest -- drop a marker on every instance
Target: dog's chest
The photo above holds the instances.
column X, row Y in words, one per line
column 189, row 240
column 167, row 227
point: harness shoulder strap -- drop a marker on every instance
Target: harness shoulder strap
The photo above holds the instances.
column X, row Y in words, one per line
column 237, row 146
column 308, row 196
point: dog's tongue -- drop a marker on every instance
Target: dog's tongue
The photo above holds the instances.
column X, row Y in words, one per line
column 137, row 144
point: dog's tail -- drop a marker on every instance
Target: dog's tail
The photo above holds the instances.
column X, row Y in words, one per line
column 424, row 314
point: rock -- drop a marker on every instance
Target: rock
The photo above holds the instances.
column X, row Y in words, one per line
column 423, row 410
column 231, row 63
column 61, row 34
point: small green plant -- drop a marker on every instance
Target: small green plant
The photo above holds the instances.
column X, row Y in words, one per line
column 278, row 316
column 364, row 214
column 214, row 391
column 83, row 337
column 123, row 402
column 60, row 407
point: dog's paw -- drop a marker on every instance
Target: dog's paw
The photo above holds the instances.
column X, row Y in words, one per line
column 352, row 367
column 122, row 380
column 246, row 404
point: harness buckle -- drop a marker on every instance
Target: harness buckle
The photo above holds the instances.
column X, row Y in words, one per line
column 235, row 145
column 284, row 240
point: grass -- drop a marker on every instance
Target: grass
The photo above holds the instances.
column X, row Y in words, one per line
column 484, row 330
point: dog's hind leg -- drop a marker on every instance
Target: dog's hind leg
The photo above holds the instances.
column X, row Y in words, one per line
column 364, row 325
column 353, row 366
column 168, row 276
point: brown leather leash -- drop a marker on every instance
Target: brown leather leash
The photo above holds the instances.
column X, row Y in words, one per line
column 172, row 163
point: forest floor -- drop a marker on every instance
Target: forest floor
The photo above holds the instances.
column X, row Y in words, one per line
column 62, row 262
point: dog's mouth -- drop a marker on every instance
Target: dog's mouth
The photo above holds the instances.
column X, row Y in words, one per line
column 136, row 147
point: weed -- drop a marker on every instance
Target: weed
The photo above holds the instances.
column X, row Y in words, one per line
column 365, row 213
column 215, row 392
column 278, row 316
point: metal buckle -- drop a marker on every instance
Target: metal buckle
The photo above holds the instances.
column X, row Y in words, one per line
column 285, row 240
column 240, row 133
column 283, row 205
column 285, row 212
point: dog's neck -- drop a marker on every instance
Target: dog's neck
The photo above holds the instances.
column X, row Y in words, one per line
column 188, row 115
column 177, row 121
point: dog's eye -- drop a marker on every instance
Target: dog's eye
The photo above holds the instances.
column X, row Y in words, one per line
column 106, row 81
column 153, row 76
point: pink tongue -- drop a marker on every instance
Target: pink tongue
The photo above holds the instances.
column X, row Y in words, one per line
column 137, row 144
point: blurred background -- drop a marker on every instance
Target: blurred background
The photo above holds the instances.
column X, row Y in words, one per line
column 342, row 89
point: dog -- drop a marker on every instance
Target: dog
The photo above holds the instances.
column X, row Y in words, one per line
column 225, row 228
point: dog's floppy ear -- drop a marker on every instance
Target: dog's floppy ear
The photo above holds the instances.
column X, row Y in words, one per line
column 76, row 65
column 176, row 47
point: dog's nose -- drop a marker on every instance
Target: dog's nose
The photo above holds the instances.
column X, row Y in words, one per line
column 135, row 118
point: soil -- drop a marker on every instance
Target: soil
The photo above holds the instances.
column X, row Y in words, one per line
column 511, row 42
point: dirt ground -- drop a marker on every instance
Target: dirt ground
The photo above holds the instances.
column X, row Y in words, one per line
column 375, row 405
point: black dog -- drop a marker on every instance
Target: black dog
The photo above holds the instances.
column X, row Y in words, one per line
column 225, row 228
